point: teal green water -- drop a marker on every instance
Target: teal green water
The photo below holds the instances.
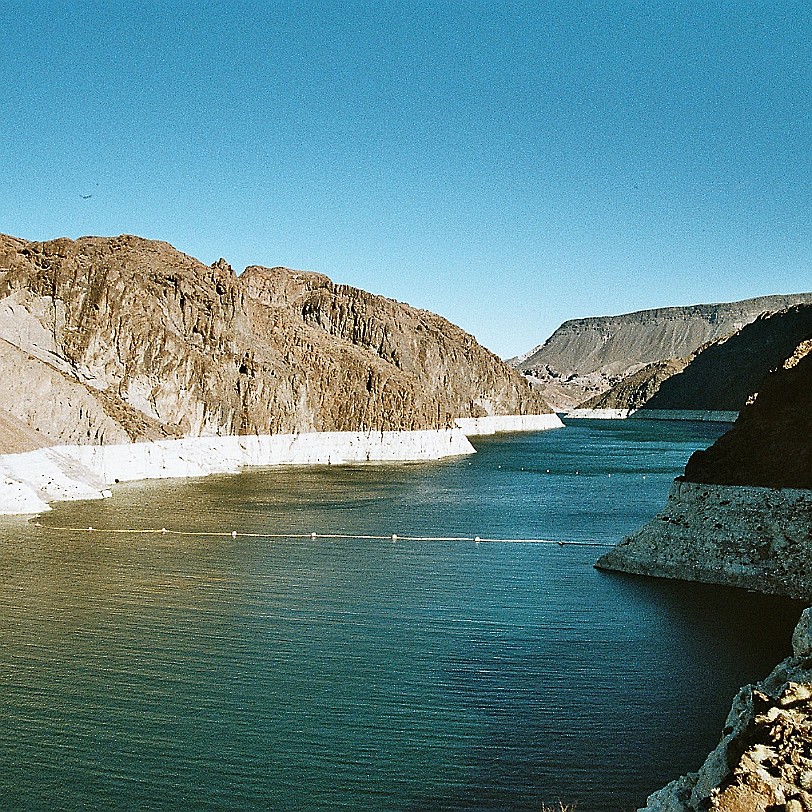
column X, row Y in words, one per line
column 165, row 672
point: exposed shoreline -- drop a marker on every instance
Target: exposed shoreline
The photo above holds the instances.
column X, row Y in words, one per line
column 736, row 535
column 31, row 480
column 652, row 414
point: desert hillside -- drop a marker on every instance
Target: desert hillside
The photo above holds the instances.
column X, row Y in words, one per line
column 585, row 357
column 108, row 340
column 720, row 376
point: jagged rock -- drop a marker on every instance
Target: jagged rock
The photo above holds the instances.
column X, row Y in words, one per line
column 764, row 759
column 129, row 339
column 802, row 636
column 742, row 514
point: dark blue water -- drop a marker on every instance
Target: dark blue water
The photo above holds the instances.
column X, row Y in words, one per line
column 205, row 672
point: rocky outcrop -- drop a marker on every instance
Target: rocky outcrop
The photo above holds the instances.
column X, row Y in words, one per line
column 109, row 340
column 748, row 537
column 742, row 514
column 764, row 759
column 586, row 357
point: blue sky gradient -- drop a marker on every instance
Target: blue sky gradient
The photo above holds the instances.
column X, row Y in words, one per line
column 508, row 165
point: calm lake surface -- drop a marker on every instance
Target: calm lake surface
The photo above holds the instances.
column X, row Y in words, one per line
column 205, row 672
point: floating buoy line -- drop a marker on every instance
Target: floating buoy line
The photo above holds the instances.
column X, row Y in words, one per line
column 233, row 534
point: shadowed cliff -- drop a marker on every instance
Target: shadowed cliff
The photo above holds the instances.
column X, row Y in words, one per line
column 719, row 376
column 770, row 444
column 584, row 358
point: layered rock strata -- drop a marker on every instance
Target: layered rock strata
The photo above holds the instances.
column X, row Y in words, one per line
column 763, row 762
column 719, row 377
column 109, row 340
column 585, row 357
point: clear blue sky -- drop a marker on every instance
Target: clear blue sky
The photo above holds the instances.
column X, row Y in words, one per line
column 506, row 164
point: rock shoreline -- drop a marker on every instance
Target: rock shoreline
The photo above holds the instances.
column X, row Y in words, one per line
column 30, row 481
column 744, row 536
column 702, row 415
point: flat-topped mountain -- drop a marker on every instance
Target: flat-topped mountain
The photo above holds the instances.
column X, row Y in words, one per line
column 106, row 340
column 720, row 376
column 585, row 357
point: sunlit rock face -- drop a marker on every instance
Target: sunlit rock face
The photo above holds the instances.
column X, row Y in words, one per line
column 105, row 340
column 763, row 761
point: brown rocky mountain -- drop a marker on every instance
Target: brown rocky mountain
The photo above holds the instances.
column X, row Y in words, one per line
column 719, row 376
column 584, row 357
column 115, row 339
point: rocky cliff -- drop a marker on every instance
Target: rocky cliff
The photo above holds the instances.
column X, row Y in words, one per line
column 742, row 514
column 107, row 340
column 770, row 445
column 584, row 357
column 720, row 376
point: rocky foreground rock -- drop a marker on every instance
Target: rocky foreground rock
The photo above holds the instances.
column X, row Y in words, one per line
column 763, row 762
column 111, row 340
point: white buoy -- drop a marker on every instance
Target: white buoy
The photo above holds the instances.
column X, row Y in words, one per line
column 313, row 534
column 394, row 536
column 477, row 539
column 163, row 531
column 233, row 534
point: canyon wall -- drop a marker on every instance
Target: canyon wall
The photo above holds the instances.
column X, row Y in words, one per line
column 720, row 376
column 110, row 340
column 583, row 358
column 742, row 513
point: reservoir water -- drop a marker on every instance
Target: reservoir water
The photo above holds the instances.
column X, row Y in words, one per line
column 209, row 672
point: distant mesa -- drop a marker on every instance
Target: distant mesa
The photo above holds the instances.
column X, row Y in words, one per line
column 584, row 358
column 721, row 376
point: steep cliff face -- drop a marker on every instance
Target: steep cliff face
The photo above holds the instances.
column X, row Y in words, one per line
column 742, row 514
column 127, row 338
column 770, row 444
column 585, row 357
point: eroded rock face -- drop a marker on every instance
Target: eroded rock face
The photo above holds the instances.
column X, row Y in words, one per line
column 764, row 759
column 140, row 341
